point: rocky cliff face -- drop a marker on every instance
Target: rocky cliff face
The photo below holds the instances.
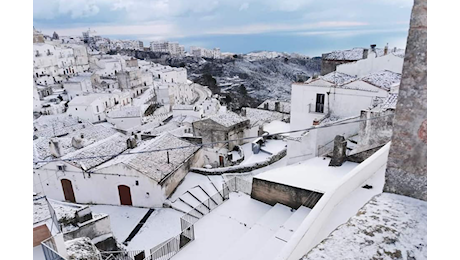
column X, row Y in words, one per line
column 263, row 76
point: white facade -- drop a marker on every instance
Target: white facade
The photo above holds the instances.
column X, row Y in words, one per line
column 172, row 48
column 318, row 99
column 36, row 99
column 89, row 107
column 372, row 64
column 202, row 52
column 78, row 85
column 54, row 60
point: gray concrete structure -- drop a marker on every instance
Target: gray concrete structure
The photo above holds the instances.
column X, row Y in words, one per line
column 407, row 162
column 339, row 154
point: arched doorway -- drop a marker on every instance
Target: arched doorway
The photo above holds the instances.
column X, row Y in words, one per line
column 68, row 190
column 125, row 195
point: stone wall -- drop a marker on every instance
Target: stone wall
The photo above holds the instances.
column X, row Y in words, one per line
column 96, row 227
column 241, row 168
column 328, row 66
column 407, row 162
column 272, row 193
column 377, row 131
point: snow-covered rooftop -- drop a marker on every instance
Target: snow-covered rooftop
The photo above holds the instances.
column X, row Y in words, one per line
column 155, row 164
column 63, row 210
column 56, row 125
column 126, row 111
column 109, row 148
column 390, row 102
column 338, row 78
column 227, row 119
column 82, row 249
column 91, row 134
column 357, row 54
column 383, row 79
column 86, row 100
column 389, row 226
column 313, row 174
column 260, row 116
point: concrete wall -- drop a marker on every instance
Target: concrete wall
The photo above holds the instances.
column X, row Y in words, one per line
column 91, row 229
column 272, row 193
column 311, row 230
column 407, row 164
column 328, row 66
column 170, row 184
column 377, row 131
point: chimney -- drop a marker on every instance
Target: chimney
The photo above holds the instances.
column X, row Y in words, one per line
column 385, row 50
column 373, row 47
column 365, row 53
column 77, row 142
column 55, row 148
column 277, row 106
column 131, row 143
column 266, row 106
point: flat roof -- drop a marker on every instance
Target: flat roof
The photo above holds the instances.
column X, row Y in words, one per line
column 313, row 174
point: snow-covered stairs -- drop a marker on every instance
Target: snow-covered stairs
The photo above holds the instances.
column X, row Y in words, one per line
column 193, row 197
column 268, row 225
column 276, row 243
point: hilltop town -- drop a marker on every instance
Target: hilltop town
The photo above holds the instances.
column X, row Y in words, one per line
column 142, row 153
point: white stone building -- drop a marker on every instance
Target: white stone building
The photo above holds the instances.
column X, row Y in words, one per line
column 142, row 180
column 78, row 85
column 89, row 107
column 329, row 99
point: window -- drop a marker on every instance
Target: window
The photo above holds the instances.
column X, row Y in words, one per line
column 61, row 167
column 319, row 103
column 97, row 109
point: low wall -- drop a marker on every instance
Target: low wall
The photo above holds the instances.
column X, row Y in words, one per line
column 92, row 229
column 241, row 168
column 306, row 236
column 272, row 193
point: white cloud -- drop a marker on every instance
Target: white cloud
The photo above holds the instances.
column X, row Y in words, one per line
column 244, row 6
column 157, row 30
column 49, row 9
column 265, row 28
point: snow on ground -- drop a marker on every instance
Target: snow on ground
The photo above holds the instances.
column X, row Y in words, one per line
column 277, row 127
column 81, row 249
column 390, row 226
column 274, row 146
column 313, row 174
column 123, row 219
column 271, row 147
column 160, row 226
column 216, row 231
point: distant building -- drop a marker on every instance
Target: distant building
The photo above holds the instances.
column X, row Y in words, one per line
column 38, row 37
column 172, row 48
column 331, row 60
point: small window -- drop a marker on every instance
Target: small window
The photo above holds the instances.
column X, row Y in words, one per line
column 76, row 109
column 61, row 167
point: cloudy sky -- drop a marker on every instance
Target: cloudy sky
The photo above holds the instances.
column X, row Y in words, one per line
column 303, row 26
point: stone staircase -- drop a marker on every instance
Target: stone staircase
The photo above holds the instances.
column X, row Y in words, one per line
column 200, row 194
column 265, row 239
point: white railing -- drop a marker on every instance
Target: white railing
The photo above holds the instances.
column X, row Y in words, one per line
column 306, row 236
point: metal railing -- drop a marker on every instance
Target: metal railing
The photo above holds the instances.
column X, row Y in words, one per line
column 50, row 250
column 123, row 255
column 172, row 246
column 238, row 184
column 204, row 208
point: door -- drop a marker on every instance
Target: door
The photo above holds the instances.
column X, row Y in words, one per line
column 125, row 195
column 68, row 190
column 319, row 103
column 221, row 161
